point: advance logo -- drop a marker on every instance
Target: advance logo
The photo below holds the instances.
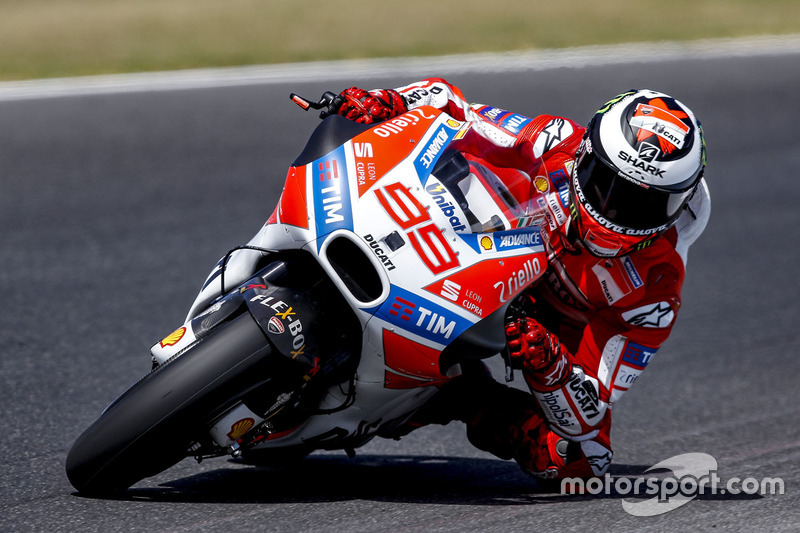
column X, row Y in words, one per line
column 431, row 151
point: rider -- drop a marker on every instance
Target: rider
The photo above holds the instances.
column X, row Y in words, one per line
column 625, row 198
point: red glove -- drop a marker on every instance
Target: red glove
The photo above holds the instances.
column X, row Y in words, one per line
column 545, row 455
column 366, row 107
column 545, row 363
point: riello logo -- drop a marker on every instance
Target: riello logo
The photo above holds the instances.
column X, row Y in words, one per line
column 519, row 280
column 397, row 125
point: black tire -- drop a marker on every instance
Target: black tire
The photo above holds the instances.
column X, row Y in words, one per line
column 151, row 426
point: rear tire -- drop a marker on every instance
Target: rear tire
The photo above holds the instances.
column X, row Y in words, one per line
column 152, row 425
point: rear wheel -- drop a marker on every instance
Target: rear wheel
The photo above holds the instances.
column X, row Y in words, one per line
column 152, row 425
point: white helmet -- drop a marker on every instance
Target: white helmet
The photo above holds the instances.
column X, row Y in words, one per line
column 640, row 161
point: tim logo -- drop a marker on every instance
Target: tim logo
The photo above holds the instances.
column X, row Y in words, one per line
column 331, row 194
column 402, row 309
column 648, row 152
column 421, row 317
column 637, row 354
column 328, row 170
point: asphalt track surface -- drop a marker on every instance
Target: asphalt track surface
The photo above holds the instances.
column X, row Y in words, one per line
column 115, row 206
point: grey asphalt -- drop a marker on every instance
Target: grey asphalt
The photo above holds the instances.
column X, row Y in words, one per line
column 114, row 207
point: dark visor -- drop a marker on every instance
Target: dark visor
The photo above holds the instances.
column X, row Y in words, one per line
column 624, row 203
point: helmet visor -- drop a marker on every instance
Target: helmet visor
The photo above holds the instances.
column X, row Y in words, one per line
column 623, row 202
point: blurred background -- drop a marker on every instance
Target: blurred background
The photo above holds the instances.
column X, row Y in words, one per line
column 58, row 38
column 115, row 207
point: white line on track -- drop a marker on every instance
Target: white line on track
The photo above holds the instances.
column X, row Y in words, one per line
column 406, row 67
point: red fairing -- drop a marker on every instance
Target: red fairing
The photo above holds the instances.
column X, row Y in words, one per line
column 292, row 207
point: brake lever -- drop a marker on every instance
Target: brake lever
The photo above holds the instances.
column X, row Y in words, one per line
column 329, row 103
column 509, row 368
column 515, row 309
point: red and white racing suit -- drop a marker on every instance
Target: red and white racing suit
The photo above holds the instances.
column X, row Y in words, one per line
column 612, row 314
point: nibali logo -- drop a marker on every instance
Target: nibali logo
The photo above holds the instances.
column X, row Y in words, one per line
column 437, row 192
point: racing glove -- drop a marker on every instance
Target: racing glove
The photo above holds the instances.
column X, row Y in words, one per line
column 368, row 107
column 545, row 363
column 545, row 454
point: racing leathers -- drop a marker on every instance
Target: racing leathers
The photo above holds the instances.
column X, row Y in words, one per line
column 610, row 315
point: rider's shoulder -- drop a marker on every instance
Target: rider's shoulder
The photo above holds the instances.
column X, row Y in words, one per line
column 654, row 277
column 657, row 268
column 551, row 133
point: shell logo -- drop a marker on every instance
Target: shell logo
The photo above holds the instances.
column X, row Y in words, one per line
column 241, row 427
column 486, row 243
column 541, row 184
column 173, row 338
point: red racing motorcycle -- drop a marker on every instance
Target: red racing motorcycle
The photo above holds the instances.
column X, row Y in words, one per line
column 391, row 259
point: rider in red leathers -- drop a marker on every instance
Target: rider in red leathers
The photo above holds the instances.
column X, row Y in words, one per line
column 625, row 198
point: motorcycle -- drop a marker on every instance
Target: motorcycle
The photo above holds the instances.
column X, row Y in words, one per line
column 390, row 260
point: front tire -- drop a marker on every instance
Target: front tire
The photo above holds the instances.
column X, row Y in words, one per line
column 152, row 425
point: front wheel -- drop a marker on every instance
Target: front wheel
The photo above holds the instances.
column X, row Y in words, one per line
column 152, row 425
